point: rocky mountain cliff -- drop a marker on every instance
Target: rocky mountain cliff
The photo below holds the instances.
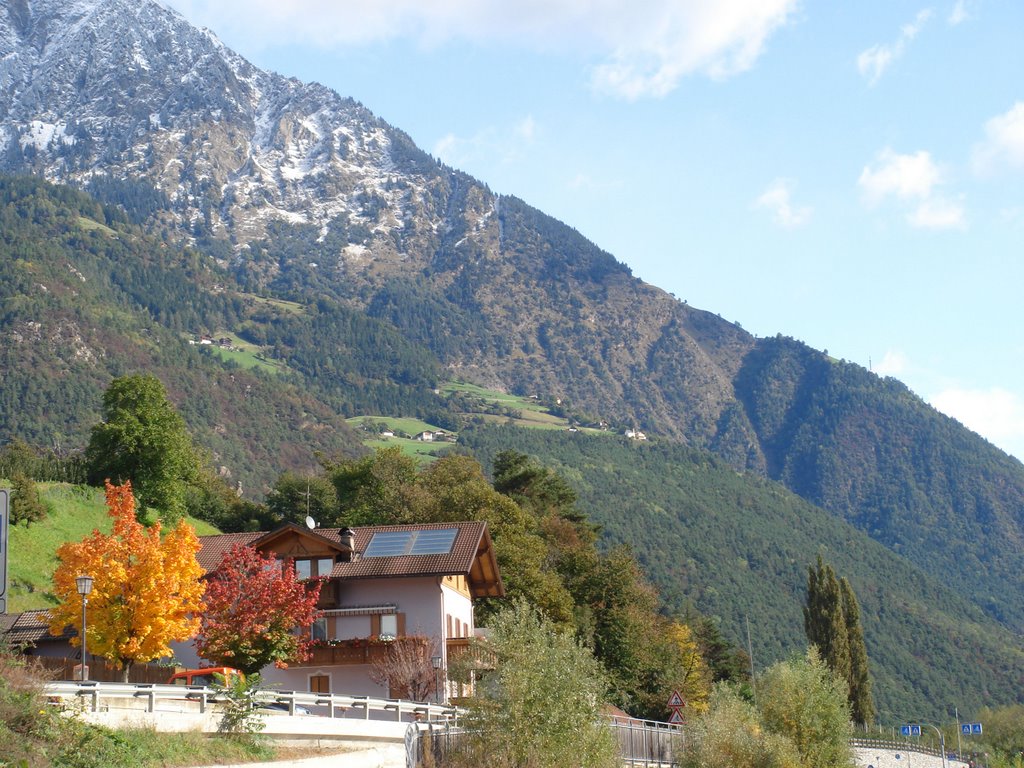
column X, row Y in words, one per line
column 94, row 92
column 300, row 193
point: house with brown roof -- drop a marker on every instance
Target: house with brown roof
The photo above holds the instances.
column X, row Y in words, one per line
column 30, row 632
column 381, row 583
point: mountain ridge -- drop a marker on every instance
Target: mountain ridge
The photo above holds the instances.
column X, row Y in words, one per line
column 287, row 190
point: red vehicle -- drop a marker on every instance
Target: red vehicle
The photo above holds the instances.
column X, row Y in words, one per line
column 205, row 676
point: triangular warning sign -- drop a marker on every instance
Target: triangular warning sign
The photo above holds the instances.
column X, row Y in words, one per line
column 675, row 700
column 676, row 717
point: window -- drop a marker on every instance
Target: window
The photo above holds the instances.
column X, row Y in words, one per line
column 389, row 625
column 306, row 568
column 318, row 629
column 320, row 683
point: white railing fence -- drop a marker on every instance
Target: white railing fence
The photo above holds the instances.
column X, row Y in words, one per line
column 95, row 696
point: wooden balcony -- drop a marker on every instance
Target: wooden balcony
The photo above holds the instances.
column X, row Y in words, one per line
column 467, row 653
column 352, row 652
column 324, row 656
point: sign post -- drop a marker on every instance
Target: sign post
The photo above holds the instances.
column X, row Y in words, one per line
column 676, row 703
column 5, row 506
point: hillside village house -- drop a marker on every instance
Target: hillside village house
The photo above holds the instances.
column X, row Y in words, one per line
column 382, row 582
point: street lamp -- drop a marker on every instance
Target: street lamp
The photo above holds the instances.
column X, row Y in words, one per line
column 435, row 662
column 84, row 585
column 942, row 741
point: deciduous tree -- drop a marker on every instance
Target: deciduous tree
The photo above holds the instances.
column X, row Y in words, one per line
column 406, row 668
column 146, row 589
column 862, row 706
column 824, row 621
column 257, row 612
column 144, row 440
column 541, row 706
column 806, row 701
column 832, row 623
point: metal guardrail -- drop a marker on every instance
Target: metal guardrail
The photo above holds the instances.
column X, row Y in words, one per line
column 647, row 743
column 641, row 743
column 94, row 693
column 899, row 745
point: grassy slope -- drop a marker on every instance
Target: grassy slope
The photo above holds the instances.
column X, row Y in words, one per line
column 74, row 512
column 533, row 415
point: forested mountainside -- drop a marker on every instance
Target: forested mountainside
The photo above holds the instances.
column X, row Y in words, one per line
column 737, row 547
column 86, row 297
column 352, row 273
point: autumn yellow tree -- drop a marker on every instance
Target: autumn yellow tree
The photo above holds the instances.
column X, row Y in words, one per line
column 692, row 676
column 146, row 591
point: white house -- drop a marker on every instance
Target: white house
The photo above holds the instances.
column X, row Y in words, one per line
column 383, row 582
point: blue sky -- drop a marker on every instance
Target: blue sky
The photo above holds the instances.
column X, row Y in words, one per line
column 850, row 174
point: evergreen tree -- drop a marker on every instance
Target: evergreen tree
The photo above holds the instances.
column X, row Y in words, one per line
column 824, row 621
column 26, row 506
column 861, row 705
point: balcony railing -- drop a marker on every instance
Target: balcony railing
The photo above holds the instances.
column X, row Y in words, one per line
column 356, row 651
column 468, row 653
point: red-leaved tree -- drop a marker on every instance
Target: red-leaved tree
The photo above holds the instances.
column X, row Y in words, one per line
column 257, row 612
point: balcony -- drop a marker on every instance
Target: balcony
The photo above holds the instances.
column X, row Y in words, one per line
column 467, row 653
column 355, row 651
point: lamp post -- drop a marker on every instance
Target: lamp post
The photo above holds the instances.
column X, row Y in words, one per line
column 942, row 741
column 435, row 662
column 84, row 585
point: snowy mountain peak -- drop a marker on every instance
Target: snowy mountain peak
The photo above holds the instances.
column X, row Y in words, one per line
column 130, row 90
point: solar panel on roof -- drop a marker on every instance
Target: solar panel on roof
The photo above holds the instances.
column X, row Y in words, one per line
column 437, row 541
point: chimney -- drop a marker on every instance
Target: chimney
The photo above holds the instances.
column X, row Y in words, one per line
column 348, row 541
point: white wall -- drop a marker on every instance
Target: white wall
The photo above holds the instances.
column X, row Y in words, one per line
column 424, row 602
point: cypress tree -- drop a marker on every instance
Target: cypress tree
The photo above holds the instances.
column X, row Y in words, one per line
column 824, row 622
column 861, row 705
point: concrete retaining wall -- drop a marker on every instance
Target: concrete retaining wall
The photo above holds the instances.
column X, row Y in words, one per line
column 900, row 758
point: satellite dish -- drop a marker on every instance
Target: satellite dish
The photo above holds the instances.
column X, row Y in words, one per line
column 310, row 522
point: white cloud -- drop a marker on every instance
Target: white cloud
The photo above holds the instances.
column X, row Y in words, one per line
column 958, row 15
column 911, row 179
column 526, row 129
column 507, row 144
column 777, row 199
column 893, row 363
column 903, row 176
column 873, row 62
column 937, row 213
column 647, row 46
column 995, row 413
column 1003, row 145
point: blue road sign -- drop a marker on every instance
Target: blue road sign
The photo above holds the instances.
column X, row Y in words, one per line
column 965, row 729
column 904, row 730
column 975, row 728
column 915, row 730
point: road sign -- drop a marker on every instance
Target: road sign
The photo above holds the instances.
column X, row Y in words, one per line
column 965, row 729
column 975, row 729
column 675, row 700
column 904, row 730
column 4, row 513
column 676, row 717
column 915, row 730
